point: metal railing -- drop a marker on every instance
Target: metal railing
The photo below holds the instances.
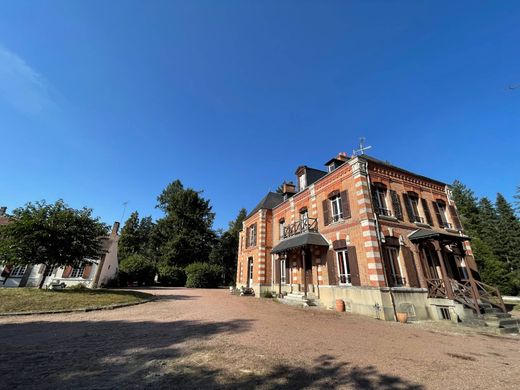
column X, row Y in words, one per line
column 385, row 212
column 416, row 218
column 301, row 226
column 447, row 225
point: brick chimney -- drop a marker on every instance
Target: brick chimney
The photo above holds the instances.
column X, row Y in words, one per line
column 115, row 229
column 289, row 189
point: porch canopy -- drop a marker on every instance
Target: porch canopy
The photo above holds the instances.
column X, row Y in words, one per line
column 423, row 234
column 300, row 240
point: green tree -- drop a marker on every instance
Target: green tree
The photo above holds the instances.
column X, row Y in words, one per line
column 517, row 200
column 184, row 235
column 136, row 236
column 51, row 234
column 467, row 206
column 508, row 248
column 225, row 250
column 487, row 228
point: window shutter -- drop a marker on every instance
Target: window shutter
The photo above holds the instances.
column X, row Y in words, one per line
column 396, row 204
column 326, row 212
column 374, row 202
column 339, row 244
column 353, row 265
column 437, row 213
column 345, row 204
column 388, row 269
column 67, row 271
column 427, row 212
column 409, row 263
column 409, row 210
column 455, row 218
column 87, row 270
column 254, row 236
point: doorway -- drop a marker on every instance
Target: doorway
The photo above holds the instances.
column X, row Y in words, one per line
column 250, row 272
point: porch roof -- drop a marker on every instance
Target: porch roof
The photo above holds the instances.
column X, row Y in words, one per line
column 423, row 234
column 300, row 240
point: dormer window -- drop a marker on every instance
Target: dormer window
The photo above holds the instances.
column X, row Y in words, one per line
column 302, row 181
column 281, row 227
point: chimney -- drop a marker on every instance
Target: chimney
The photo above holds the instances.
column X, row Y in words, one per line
column 342, row 156
column 115, row 229
column 289, row 189
column 3, row 210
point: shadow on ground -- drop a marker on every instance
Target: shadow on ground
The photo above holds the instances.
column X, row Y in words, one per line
column 178, row 354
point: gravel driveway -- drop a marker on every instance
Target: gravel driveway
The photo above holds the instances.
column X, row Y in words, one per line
column 210, row 339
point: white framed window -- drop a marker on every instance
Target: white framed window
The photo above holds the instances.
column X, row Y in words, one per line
column 304, row 215
column 18, row 271
column 343, row 268
column 77, row 272
column 442, row 212
column 379, row 196
column 336, row 208
column 283, row 271
column 302, row 182
column 281, row 227
column 252, row 235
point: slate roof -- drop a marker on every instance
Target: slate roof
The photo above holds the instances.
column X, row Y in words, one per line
column 300, row 240
column 270, row 201
column 423, row 234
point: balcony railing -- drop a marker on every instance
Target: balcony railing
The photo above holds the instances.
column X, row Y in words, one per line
column 384, row 212
column 417, row 219
column 301, row 226
column 447, row 225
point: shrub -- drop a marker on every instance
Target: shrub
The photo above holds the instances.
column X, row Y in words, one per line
column 203, row 275
column 170, row 275
column 137, row 268
column 268, row 294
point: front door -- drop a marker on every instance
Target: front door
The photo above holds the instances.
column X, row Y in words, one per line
column 250, row 272
column 308, row 270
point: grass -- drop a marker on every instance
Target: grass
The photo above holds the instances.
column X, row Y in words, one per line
column 14, row 300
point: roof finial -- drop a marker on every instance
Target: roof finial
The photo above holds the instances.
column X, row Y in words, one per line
column 362, row 147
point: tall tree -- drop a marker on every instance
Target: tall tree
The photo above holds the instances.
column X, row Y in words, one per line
column 225, row 251
column 517, row 200
column 184, row 235
column 467, row 206
column 487, row 228
column 508, row 248
column 136, row 236
column 51, row 234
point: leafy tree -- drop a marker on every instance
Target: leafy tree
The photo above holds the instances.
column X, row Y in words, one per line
column 225, row 251
column 467, row 206
column 487, row 228
column 170, row 275
column 136, row 236
column 184, row 235
column 51, row 234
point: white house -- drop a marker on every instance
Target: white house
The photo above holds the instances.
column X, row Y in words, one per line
column 90, row 272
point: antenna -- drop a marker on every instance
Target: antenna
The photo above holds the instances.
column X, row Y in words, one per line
column 124, row 211
column 362, row 147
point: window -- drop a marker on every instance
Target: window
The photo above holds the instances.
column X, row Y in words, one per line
column 18, row 271
column 283, row 271
column 343, row 268
column 302, row 182
column 281, row 227
column 251, row 235
column 304, row 214
column 336, row 209
column 77, row 272
column 441, row 215
column 379, row 199
column 394, row 267
column 411, row 201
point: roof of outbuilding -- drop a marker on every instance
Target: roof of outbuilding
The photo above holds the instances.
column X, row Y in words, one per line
column 270, row 201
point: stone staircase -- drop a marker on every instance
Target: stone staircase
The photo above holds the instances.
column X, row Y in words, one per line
column 299, row 299
column 495, row 318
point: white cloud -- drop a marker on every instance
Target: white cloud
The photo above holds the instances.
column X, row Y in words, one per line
column 21, row 86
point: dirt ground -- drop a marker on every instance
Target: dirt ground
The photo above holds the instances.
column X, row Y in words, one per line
column 210, row 339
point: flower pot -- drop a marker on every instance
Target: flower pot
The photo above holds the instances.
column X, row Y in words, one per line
column 402, row 317
column 340, row 305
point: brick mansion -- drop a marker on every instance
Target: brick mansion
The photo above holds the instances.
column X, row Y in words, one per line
column 379, row 237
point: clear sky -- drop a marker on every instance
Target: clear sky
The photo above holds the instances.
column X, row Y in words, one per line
column 103, row 102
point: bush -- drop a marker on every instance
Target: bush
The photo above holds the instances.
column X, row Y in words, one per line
column 170, row 275
column 203, row 275
column 137, row 268
column 268, row 294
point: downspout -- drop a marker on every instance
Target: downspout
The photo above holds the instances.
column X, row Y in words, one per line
column 378, row 234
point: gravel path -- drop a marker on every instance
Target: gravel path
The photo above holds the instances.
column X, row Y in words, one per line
column 210, row 339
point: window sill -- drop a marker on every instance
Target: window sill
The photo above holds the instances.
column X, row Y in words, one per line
column 421, row 224
column 451, row 230
column 387, row 218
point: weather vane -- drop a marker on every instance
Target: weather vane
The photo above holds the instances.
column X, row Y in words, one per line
column 362, row 147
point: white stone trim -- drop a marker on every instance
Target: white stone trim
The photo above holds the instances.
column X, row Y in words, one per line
column 375, row 266
column 372, row 255
column 378, row 278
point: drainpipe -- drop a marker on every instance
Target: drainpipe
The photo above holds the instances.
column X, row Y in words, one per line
column 378, row 234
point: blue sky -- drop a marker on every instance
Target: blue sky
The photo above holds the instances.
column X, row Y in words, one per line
column 103, row 102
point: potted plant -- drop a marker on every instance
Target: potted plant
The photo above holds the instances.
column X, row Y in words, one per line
column 402, row 317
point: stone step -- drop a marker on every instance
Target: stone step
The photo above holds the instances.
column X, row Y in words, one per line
column 508, row 330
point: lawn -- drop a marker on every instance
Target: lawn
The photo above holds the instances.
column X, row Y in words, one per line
column 29, row 299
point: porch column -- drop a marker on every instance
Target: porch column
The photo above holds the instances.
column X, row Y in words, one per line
column 447, row 283
column 280, row 276
column 304, row 274
column 474, row 289
column 421, row 271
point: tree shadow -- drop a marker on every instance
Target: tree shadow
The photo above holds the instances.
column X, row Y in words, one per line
column 178, row 354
